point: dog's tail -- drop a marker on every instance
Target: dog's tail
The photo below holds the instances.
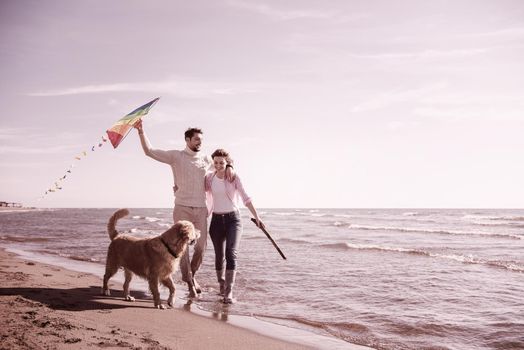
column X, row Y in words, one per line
column 111, row 225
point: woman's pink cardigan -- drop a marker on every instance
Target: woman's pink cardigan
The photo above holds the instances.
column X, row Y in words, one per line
column 233, row 190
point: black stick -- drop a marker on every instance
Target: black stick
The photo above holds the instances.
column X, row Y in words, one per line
column 271, row 239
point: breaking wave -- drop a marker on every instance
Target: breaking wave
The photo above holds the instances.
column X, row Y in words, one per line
column 467, row 259
column 434, row 231
column 78, row 257
column 470, row 217
column 25, row 239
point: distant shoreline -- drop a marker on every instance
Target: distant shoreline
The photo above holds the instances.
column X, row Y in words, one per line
column 6, row 209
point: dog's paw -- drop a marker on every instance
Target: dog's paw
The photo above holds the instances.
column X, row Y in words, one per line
column 160, row 307
column 106, row 292
column 130, row 298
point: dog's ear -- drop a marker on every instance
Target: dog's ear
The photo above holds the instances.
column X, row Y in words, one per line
column 172, row 233
column 186, row 229
column 183, row 228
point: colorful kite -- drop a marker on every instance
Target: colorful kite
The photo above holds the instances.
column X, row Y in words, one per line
column 122, row 127
column 116, row 134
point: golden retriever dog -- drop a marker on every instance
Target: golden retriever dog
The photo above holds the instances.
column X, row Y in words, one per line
column 154, row 259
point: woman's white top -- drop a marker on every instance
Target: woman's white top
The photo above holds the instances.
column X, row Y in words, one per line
column 221, row 202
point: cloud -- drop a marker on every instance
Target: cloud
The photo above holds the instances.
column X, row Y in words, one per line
column 181, row 88
column 392, row 97
column 472, row 106
column 279, row 14
column 9, row 134
column 37, row 150
column 22, row 134
column 33, row 141
column 426, row 54
column 506, row 33
column 22, row 164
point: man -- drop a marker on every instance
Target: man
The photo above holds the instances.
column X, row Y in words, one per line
column 189, row 169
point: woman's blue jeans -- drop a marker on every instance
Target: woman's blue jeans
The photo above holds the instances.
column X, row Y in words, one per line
column 225, row 232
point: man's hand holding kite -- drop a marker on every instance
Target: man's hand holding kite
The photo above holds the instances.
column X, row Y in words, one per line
column 119, row 131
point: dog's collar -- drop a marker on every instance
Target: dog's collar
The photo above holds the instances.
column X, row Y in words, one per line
column 169, row 249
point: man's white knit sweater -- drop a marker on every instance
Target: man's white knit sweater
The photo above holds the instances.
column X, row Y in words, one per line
column 189, row 169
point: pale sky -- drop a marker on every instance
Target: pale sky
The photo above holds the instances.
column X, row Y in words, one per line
column 335, row 103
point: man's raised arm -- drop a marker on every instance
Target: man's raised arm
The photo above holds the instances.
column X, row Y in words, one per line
column 157, row 154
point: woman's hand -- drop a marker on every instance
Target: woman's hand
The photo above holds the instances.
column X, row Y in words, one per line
column 260, row 224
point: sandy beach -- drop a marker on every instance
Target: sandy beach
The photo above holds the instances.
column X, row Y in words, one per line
column 44, row 306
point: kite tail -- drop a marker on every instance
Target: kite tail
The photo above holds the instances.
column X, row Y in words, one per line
column 111, row 225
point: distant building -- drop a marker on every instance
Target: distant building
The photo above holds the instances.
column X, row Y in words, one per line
column 10, row 204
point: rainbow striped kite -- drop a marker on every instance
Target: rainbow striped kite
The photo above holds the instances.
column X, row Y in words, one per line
column 122, row 127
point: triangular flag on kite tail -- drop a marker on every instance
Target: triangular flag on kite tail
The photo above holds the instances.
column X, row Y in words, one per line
column 122, row 127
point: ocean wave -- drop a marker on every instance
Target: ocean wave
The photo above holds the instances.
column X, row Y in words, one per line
column 23, row 239
column 136, row 232
column 78, row 257
column 513, row 225
column 425, row 329
column 345, row 245
column 258, row 237
column 152, row 219
column 476, row 217
column 508, row 265
column 467, row 259
column 294, row 240
column 493, row 217
column 355, row 333
column 284, row 213
column 435, row 231
column 341, row 223
column 510, row 218
column 146, row 218
column 347, row 326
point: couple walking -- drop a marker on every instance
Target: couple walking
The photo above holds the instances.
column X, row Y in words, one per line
column 205, row 185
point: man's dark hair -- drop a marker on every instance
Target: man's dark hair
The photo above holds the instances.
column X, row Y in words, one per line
column 191, row 132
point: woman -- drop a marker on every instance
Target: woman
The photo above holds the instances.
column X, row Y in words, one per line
column 226, row 227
